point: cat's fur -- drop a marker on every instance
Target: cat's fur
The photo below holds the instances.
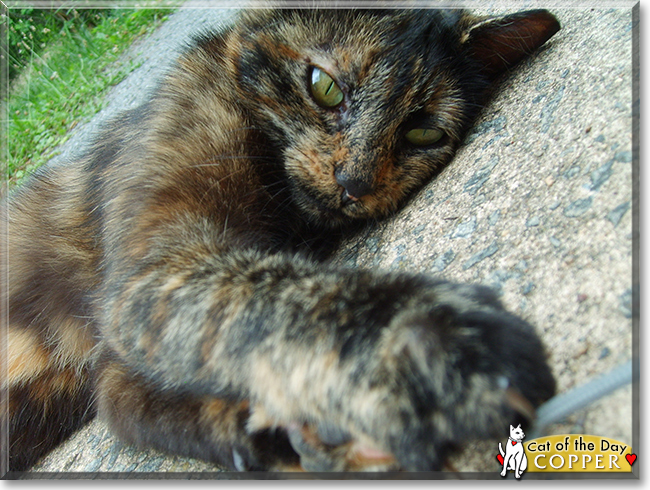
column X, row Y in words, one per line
column 168, row 280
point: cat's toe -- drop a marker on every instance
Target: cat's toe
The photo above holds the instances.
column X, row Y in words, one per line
column 326, row 448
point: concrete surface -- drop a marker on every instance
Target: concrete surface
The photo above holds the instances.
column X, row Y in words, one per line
column 538, row 204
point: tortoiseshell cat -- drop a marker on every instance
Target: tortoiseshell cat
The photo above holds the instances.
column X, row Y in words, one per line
column 174, row 280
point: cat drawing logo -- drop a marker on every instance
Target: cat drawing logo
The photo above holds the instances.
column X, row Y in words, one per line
column 514, row 456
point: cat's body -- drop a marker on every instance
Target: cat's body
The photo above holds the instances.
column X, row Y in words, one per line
column 514, row 456
column 169, row 279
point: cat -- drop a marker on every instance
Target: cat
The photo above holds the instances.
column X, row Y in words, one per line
column 514, row 456
column 174, row 281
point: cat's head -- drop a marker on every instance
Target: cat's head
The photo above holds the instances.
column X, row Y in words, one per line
column 365, row 106
column 517, row 433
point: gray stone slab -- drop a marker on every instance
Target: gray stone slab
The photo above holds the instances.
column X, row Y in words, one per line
column 537, row 204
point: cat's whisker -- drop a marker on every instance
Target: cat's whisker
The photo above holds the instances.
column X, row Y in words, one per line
column 215, row 160
column 244, row 128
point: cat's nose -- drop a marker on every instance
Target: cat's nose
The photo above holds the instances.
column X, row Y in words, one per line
column 353, row 188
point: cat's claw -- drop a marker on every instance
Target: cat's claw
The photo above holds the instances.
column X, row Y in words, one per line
column 328, row 448
column 238, row 461
column 314, row 455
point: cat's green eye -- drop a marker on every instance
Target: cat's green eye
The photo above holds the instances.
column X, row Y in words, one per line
column 324, row 89
column 424, row 136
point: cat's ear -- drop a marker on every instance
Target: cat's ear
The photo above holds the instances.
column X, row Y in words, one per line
column 499, row 43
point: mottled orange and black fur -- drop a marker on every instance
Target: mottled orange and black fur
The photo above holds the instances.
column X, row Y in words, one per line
column 173, row 280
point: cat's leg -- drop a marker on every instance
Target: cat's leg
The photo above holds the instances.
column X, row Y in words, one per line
column 47, row 399
column 225, row 431
column 517, row 465
column 521, row 463
column 187, row 424
column 404, row 364
column 46, row 265
column 507, row 464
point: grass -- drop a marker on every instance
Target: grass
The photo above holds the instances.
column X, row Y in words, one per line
column 60, row 77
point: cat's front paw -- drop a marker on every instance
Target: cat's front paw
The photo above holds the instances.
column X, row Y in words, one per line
column 451, row 366
column 446, row 365
column 454, row 367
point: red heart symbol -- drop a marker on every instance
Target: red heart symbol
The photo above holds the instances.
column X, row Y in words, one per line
column 500, row 459
column 514, row 442
column 631, row 458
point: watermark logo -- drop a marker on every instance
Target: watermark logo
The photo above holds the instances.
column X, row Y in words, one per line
column 567, row 453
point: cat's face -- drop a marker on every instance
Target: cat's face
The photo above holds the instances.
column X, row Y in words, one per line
column 364, row 107
column 517, row 433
